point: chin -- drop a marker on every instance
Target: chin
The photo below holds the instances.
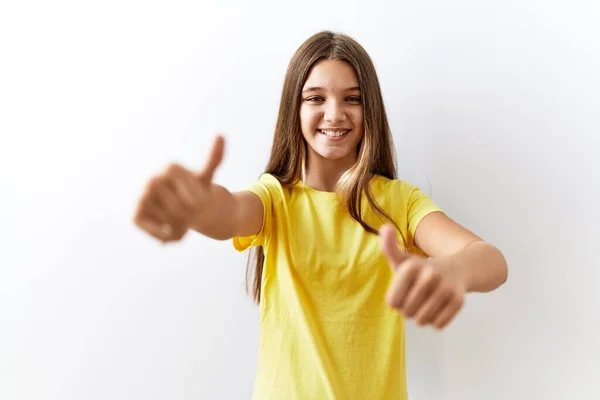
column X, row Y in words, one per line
column 334, row 155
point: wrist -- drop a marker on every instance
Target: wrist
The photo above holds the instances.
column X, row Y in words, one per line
column 479, row 267
column 203, row 219
column 451, row 267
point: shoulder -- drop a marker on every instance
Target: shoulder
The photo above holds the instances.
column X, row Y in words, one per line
column 392, row 187
column 268, row 188
column 269, row 180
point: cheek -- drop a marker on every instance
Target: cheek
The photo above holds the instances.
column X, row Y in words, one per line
column 358, row 119
column 308, row 119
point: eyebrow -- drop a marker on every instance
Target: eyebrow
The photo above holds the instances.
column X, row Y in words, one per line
column 317, row 88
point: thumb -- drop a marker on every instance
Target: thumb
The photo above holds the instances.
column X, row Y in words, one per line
column 214, row 159
column 389, row 246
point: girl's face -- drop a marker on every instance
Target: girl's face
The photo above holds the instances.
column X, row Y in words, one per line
column 331, row 113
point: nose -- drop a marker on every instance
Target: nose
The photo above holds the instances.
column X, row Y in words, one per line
column 334, row 112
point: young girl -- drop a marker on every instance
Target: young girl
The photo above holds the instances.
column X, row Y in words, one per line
column 345, row 250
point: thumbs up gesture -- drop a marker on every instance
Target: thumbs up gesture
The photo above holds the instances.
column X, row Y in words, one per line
column 422, row 288
column 176, row 199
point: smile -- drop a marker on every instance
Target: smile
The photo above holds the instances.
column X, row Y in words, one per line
column 337, row 133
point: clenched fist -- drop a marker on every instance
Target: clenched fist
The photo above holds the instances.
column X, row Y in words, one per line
column 177, row 199
column 422, row 288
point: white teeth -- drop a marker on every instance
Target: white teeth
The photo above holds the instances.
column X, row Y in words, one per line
column 334, row 133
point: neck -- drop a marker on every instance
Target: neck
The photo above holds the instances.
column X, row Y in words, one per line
column 323, row 174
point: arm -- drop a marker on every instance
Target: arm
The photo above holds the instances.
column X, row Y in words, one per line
column 231, row 214
column 432, row 290
column 478, row 264
column 178, row 200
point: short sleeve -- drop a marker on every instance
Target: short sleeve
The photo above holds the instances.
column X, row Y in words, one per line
column 263, row 188
column 417, row 206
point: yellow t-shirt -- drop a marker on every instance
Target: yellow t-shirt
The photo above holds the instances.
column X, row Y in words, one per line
column 326, row 331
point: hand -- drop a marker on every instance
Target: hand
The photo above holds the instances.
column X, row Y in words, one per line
column 423, row 289
column 176, row 199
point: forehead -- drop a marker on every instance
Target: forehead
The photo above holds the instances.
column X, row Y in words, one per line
column 332, row 75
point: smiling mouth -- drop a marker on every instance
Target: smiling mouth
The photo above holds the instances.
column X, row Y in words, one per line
column 338, row 133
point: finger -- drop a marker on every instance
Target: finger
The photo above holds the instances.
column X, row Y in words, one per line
column 150, row 204
column 389, row 246
column 402, row 283
column 214, row 159
column 159, row 230
column 425, row 285
column 160, row 192
column 171, row 203
column 180, row 180
column 194, row 188
column 431, row 308
column 155, row 210
column 448, row 313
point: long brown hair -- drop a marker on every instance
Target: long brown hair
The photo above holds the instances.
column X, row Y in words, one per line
column 376, row 154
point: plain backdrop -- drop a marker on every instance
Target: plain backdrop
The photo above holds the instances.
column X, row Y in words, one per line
column 494, row 110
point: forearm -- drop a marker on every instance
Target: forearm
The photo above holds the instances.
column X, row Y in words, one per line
column 218, row 221
column 481, row 266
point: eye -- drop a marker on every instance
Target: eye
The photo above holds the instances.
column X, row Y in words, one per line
column 354, row 99
column 314, row 99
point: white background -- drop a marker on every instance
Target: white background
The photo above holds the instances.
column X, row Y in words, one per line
column 494, row 109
